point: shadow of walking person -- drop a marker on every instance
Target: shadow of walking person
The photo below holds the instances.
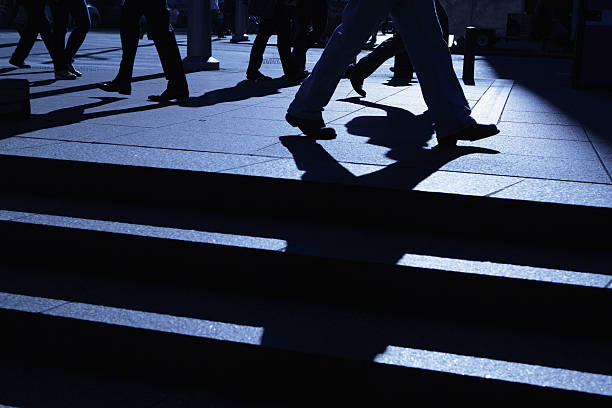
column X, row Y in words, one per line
column 243, row 90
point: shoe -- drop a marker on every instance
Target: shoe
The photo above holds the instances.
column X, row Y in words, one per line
column 122, row 87
column 356, row 81
column 298, row 77
column 71, row 69
column 311, row 128
column 169, row 94
column 257, row 76
column 19, row 64
column 64, row 74
column 472, row 133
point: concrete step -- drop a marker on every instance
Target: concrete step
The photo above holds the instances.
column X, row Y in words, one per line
column 518, row 286
column 250, row 344
column 494, row 219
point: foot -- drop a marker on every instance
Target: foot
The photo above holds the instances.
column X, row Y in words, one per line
column 472, row 133
column 169, row 94
column 19, row 64
column 71, row 69
column 257, row 76
column 311, row 128
column 297, row 77
column 64, row 74
column 116, row 85
column 356, row 81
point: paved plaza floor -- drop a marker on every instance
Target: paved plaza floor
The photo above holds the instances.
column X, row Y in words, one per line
column 554, row 146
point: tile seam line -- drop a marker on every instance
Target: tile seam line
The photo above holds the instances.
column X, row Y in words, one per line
column 541, row 123
column 603, row 164
column 504, row 188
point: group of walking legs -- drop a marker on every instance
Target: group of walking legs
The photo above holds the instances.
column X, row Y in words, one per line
column 308, row 13
column 420, row 37
column 54, row 35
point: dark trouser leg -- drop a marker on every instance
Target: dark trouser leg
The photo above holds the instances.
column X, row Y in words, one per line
column 266, row 28
column 303, row 18
column 371, row 62
column 59, row 12
column 80, row 16
column 36, row 23
column 158, row 19
column 283, row 28
column 130, row 16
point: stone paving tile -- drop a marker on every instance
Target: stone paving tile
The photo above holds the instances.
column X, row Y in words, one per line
column 6, row 215
column 171, row 138
column 16, row 143
column 465, row 183
column 540, row 117
column 525, row 166
column 264, row 113
column 537, row 147
column 534, row 130
column 598, row 195
column 83, row 132
column 139, row 156
column 256, row 127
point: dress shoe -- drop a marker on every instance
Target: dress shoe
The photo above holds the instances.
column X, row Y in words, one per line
column 356, row 80
column 64, row 74
column 19, row 64
column 71, row 69
column 257, row 76
column 122, row 87
column 472, row 133
column 170, row 94
column 298, row 77
column 311, row 128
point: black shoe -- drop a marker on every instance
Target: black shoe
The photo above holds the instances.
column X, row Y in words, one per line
column 311, row 128
column 472, row 133
column 19, row 64
column 169, row 94
column 356, row 81
column 257, row 76
column 64, row 74
column 122, row 87
column 298, row 77
column 73, row 71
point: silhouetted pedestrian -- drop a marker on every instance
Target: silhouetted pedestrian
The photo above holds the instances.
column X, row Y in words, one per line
column 420, row 30
column 65, row 51
column 308, row 13
column 393, row 46
column 274, row 17
column 158, row 20
column 36, row 23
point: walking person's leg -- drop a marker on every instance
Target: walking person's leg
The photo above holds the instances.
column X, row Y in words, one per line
column 82, row 24
column 366, row 66
column 158, row 18
column 266, row 28
column 59, row 12
column 131, row 11
column 358, row 21
column 420, row 29
column 35, row 10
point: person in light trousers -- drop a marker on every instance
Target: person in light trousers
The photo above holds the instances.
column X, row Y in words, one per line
column 419, row 27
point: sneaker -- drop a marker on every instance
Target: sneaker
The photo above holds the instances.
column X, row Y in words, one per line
column 257, row 76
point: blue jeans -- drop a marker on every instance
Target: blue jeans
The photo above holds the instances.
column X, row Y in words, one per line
column 418, row 25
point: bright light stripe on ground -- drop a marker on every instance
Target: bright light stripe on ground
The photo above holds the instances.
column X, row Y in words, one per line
column 505, row 270
column 496, row 369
